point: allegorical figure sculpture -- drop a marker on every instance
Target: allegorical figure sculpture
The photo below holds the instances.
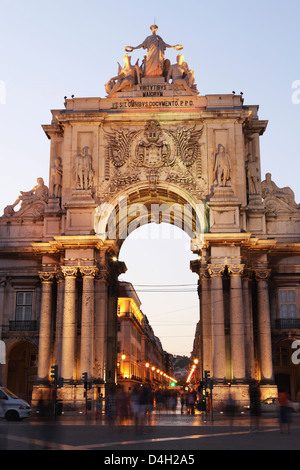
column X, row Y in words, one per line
column 271, row 191
column 84, row 173
column 38, row 194
column 56, row 179
column 181, row 75
column 154, row 65
column 156, row 46
column 126, row 78
column 222, row 168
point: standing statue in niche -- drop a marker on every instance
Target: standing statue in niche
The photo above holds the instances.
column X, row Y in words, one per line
column 252, row 175
column 56, row 178
column 222, row 168
column 84, row 173
column 156, row 46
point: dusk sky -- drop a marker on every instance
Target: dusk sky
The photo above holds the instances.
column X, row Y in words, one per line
column 61, row 48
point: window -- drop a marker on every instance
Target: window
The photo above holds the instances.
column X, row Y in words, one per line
column 24, row 306
column 287, row 303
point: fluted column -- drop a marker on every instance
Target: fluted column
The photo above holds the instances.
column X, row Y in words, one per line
column 218, row 326
column 249, row 338
column 100, row 337
column 237, row 322
column 59, row 319
column 264, row 326
column 205, row 319
column 69, row 324
column 87, row 320
column 45, row 335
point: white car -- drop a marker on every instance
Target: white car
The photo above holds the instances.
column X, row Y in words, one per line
column 12, row 407
column 272, row 405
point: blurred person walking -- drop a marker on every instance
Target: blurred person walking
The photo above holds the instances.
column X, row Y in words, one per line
column 284, row 412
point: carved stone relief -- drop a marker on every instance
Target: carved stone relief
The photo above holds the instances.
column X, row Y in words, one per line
column 154, row 154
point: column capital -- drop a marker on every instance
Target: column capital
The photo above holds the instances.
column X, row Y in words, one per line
column 262, row 274
column 204, row 273
column 88, row 271
column 236, row 269
column 69, row 271
column 46, row 276
column 216, row 270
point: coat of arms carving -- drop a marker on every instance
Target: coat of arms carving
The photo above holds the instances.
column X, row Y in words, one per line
column 154, row 147
column 172, row 155
column 153, row 150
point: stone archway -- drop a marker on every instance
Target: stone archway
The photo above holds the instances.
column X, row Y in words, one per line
column 140, row 204
column 22, row 368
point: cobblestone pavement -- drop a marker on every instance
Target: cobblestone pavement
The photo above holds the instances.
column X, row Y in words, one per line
column 165, row 432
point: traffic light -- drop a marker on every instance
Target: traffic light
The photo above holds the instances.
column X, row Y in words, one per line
column 172, row 384
column 207, row 374
column 85, row 379
column 54, row 372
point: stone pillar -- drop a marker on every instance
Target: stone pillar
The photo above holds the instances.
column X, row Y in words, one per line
column 101, row 303
column 87, row 320
column 264, row 326
column 218, row 326
column 2, row 319
column 237, row 323
column 249, row 338
column 45, row 336
column 205, row 319
column 69, row 324
column 59, row 320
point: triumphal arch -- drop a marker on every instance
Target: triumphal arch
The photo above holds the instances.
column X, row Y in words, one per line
column 154, row 149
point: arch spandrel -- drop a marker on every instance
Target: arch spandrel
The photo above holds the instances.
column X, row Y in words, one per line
column 140, row 204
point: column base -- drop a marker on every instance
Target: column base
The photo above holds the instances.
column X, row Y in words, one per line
column 70, row 398
column 240, row 393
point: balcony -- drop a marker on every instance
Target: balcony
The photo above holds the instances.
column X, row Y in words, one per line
column 286, row 324
column 23, row 325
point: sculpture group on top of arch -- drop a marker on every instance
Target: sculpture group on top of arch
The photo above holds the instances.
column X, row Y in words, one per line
column 154, row 64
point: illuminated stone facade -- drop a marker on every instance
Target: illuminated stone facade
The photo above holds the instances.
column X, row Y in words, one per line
column 154, row 149
column 141, row 358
